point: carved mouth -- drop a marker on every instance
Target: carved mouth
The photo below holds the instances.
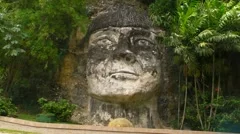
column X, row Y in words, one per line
column 124, row 75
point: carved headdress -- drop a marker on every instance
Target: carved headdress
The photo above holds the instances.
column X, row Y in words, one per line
column 121, row 15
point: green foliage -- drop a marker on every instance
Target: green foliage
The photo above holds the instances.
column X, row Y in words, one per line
column 34, row 37
column 231, row 17
column 10, row 37
column 202, row 34
column 62, row 109
column 198, row 29
column 161, row 15
column 6, row 106
column 48, row 25
column 228, row 117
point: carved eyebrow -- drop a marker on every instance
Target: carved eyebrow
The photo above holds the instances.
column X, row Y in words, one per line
column 147, row 35
column 143, row 38
column 105, row 36
column 110, row 35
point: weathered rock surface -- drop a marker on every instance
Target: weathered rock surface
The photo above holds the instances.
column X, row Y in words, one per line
column 150, row 113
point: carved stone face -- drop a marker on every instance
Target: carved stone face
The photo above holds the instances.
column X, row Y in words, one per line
column 123, row 64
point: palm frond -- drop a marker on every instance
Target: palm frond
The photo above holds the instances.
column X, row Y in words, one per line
column 231, row 16
column 231, row 3
column 173, row 40
column 186, row 14
column 204, row 49
column 188, row 56
column 204, row 35
column 181, row 49
column 229, row 36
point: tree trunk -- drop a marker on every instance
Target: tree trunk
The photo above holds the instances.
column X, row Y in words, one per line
column 212, row 95
column 203, row 92
column 218, row 92
column 10, row 78
column 196, row 100
column 185, row 103
column 179, row 96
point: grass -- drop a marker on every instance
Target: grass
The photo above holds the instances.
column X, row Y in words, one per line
column 8, row 131
column 26, row 116
column 32, row 117
column 30, row 113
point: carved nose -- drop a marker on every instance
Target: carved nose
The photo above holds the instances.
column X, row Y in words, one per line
column 127, row 56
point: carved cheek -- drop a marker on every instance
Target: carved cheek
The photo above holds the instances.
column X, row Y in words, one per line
column 148, row 61
column 101, row 45
column 96, row 58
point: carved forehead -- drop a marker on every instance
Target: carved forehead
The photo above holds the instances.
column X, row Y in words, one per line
column 125, row 30
column 129, row 31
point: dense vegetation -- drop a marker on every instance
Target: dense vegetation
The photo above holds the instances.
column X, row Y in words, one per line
column 33, row 39
column 201, row 33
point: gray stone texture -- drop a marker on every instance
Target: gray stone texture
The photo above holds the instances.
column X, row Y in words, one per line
column 149, row 108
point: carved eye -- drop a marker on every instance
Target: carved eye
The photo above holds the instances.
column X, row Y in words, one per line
column 104, row 41
column 143, row 43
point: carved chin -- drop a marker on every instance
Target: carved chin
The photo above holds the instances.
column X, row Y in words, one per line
column 122, row 86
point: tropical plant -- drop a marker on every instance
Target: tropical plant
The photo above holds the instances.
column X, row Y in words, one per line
column 198, row 30
column 228, row 119
column 7, row 108
column 62, row 109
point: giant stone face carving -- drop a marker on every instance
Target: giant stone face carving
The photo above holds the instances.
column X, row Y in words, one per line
column 123, row 59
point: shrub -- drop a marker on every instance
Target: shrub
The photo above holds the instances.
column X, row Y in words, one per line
column 62, row 109
column 6, row 106
column 228, row 116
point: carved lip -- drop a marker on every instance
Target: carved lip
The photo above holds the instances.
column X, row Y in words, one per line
column 124, row 72
column 122, row 75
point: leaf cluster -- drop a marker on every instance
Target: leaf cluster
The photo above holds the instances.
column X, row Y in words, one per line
column 62, row 109
column 198, row 29
column 228, row 118
column 7, row 108
column 34, row 37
